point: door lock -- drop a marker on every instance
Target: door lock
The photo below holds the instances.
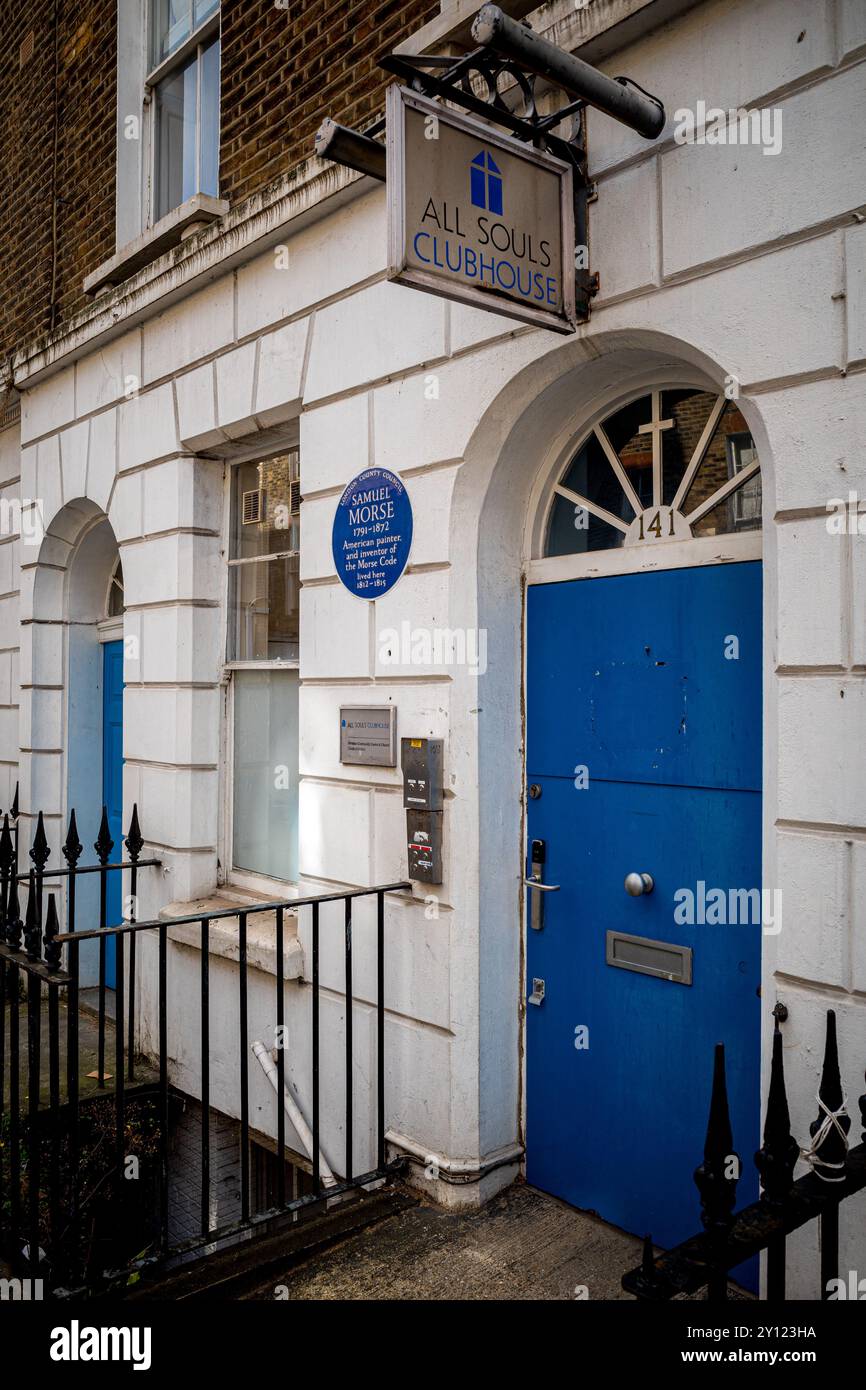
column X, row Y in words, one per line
column 536, row 908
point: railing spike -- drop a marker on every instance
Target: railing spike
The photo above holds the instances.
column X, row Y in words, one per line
column 13, row 917
column 40, row 852
column 777, row 1157
column 134, row 841
column 72, row 846
column 830, row 1130
column 15, row 803
column 32, row 932
column 104, row 843
column 717, row 1176
column 52, row 927
column 862, row 1104
column 7, row 849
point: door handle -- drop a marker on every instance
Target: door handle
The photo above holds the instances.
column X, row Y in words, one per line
column 636, row 884
column 537, row 857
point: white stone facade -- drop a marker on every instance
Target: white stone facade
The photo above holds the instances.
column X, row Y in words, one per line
column 715, row 263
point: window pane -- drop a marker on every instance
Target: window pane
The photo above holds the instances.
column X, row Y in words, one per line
column 265, row 792
column 204, row 9
column 175, row 138
column 210, row 119
column 172, row 26
column 266, row 507
column 264, row 610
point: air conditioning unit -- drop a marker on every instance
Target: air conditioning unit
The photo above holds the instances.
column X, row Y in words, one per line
column 253, row 506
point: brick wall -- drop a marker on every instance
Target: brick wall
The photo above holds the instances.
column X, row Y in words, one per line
column 84, row 102
column 283, row 70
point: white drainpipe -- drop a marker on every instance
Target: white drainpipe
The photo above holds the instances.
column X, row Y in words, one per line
column 291, row 1108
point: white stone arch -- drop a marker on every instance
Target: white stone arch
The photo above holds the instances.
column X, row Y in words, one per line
column 506, row 463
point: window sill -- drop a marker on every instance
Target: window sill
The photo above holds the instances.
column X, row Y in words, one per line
column 223, row 934
column 192, row 216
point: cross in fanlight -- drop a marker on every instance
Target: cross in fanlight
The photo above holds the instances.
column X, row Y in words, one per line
column 655, row 427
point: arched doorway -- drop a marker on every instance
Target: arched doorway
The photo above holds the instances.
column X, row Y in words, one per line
column 643, row 768
column 78, row 645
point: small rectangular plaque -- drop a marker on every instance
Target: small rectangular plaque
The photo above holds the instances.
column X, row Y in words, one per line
column 368, row 735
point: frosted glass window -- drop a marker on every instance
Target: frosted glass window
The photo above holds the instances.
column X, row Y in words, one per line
column 265, row 792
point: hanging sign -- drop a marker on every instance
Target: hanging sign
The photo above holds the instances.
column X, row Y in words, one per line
column 476, row 216
column 372, row 533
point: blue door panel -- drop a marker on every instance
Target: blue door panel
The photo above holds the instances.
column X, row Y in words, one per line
column 640, row 680
column 617, row 1125
column 112, row 784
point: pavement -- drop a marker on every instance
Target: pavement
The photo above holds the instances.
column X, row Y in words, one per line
column 523, row 1245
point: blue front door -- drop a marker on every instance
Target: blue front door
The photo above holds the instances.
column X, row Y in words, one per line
column 643, row 755
column 112, row 784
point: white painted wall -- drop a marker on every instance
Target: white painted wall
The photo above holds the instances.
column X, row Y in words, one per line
column 714, row 263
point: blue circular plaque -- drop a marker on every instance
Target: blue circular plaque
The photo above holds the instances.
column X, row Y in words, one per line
column 372, row 533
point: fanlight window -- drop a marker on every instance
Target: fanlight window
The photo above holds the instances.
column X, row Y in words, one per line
column 671, row 465
column 114, row 604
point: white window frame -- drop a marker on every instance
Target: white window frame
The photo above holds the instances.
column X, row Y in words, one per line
column 153, row 76
column 229, row 876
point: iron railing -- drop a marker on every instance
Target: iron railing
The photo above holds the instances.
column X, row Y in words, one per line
column 61, row 1157
column 837, row 1172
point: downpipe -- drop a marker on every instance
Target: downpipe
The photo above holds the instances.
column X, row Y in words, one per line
column 291, row 1108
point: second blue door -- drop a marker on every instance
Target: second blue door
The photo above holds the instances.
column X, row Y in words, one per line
column 643, row 756
column 112, row 785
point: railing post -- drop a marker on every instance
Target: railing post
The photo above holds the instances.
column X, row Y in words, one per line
column 281, row 1065
column 349, row 1041
column 103, row 846
column 776, row 1161
column 6, row 854
column 205, row 1075
column 32, row 946
column 829, row 1149
column 716, row 1180
column 317, row 1176
column 245, row 1075
column 380, row 1031
column 72, row 850
column 134, row 843
column 52, row 960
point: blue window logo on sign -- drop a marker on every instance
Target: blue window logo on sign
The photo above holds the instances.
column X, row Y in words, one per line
column 486, row 183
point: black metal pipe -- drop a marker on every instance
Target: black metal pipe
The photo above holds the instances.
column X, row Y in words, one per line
column 205, row 1075
column 349, row 1047
column 163, row 1087
column 349, row 147
column 244, row 1065
column 317, row 1177
column 281, row 1068
column 635, row 108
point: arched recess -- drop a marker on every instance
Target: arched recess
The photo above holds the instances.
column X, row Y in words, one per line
column 74, row 601
column 508, row 463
